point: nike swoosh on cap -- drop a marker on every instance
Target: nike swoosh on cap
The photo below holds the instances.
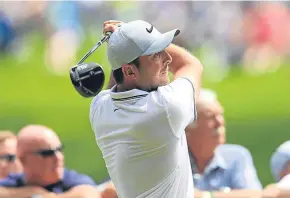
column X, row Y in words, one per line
column 150, row 30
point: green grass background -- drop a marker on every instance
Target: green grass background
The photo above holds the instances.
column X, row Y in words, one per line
column 256, row 108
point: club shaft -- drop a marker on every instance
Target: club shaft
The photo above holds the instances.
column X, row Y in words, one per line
column 98, row 44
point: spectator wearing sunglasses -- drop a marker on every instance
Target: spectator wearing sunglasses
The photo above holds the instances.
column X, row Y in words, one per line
column 8, row 161
column 40, row 152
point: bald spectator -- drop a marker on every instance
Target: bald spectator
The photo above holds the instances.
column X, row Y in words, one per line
column 9, row 163
column 219, row 170
column 40, row 152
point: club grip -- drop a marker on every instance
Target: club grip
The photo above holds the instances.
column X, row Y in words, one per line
column 108, row 33
column 106, row 37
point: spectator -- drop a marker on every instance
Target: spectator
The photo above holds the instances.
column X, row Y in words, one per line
column 40, row 152
column 9, row 163
column 280, row 167
column 284, row 183
column 217, row 166
column 280, row 161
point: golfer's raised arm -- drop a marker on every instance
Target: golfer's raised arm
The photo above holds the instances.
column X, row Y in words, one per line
column 184, row 64
column 179, row 96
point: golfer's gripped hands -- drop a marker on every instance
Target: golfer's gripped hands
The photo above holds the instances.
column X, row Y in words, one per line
column 111, row 26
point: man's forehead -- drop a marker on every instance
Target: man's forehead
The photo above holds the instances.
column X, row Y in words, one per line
column 42, row 145
column 43, row 139
column 150, row 55
column 49, row 133
column 8, row 142
column 48, row 139
column 8, row 145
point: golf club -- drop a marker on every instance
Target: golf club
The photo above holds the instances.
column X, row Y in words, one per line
column 88, row 78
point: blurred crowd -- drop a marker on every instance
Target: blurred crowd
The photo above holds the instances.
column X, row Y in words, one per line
column 253, row 35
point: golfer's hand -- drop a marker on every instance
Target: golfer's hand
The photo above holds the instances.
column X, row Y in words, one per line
column 111, row 26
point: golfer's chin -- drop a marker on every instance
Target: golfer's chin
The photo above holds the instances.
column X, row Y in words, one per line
column 162, row 82
column 165, row 80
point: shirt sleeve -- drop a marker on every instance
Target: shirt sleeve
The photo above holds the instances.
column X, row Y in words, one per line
column 73, row 179
column 3, row 182
column 179, row 102
column 13, row 180
column 245, row 174
column 7, row 182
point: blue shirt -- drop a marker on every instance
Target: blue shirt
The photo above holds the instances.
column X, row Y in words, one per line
column 231, row 167
column 71, row 179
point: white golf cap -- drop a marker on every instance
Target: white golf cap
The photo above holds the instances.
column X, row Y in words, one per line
column 279, row 159
column 134, row 39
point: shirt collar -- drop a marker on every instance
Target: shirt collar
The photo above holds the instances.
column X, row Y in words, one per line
column 51, row 186
column 217, row 161
column 127, row 95
column 18, row 178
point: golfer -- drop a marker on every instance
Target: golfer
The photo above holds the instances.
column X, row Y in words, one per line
column 139, row 122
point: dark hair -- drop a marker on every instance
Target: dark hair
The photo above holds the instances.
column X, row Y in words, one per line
column 118, row 73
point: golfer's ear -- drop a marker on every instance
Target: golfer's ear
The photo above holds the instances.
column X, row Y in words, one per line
column 129, row 71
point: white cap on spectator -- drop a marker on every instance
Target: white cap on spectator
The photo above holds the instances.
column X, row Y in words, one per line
column 279, row 159
column 134, row 39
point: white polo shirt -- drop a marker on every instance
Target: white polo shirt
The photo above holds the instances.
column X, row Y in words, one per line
column 141, row 136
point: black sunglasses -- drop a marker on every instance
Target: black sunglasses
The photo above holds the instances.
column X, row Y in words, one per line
column 8, row 157
column 49, row 152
